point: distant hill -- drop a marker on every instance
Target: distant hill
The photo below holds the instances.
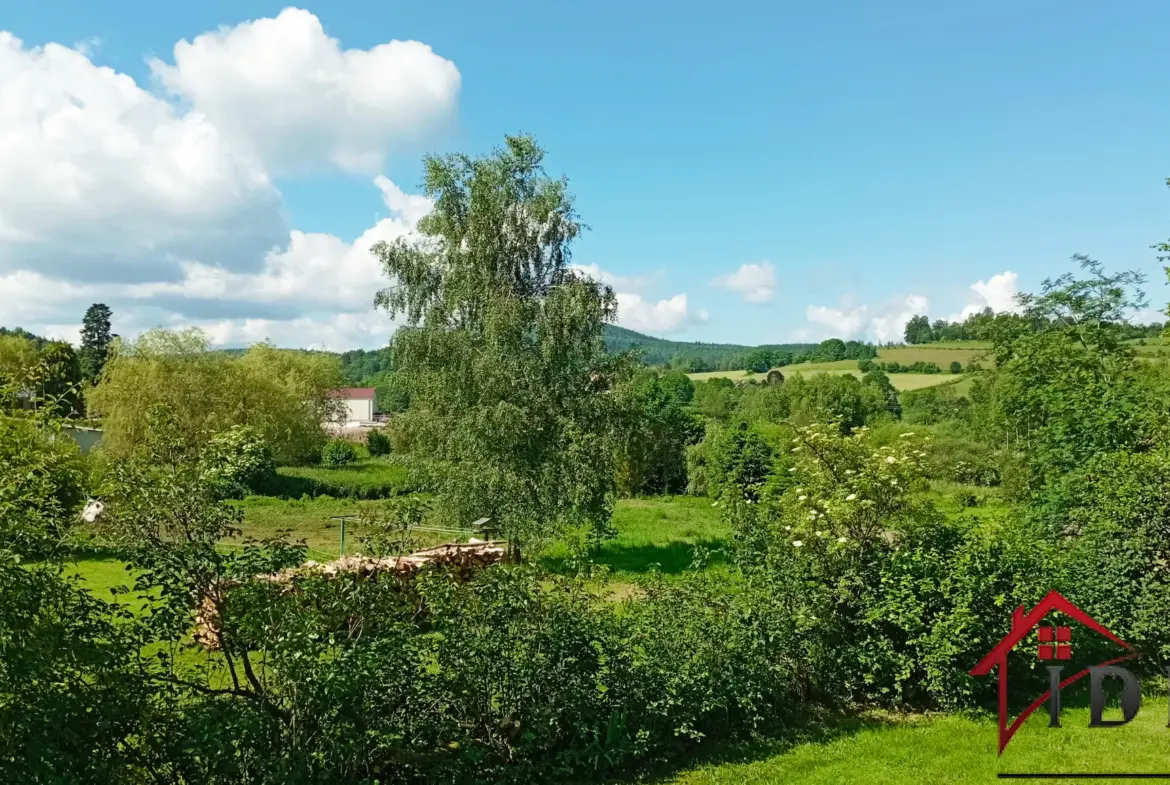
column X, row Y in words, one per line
column 715, row 356
column 358, row 365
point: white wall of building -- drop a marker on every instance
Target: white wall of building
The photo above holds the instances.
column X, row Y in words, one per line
column 359, row 410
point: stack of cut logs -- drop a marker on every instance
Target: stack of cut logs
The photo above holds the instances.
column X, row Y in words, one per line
column 463, row 558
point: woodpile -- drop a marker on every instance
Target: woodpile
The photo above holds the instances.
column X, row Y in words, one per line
column 462, row 558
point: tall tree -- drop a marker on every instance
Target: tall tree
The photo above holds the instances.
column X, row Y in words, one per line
column 95, row 341
column 502, row 353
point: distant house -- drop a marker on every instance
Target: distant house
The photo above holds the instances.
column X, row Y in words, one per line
column 359, row 404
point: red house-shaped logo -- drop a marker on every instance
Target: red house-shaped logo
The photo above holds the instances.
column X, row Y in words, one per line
column 1055, row 643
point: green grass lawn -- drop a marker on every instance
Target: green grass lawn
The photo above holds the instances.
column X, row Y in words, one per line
column 947, row 749
column 656, row 533
column 368, row 479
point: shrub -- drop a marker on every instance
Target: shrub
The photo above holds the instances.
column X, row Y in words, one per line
column 41, row 484
column 514, row 676
column 238, row 461
column 337, row 453
column 378, row 443
column 738, row 458
column 865, row 366
column 956, row 367
column 932, row 405
column 888, row 593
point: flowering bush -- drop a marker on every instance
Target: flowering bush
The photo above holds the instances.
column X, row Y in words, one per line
column 869, row 571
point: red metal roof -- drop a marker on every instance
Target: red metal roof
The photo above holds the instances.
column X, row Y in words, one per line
column 354, row 393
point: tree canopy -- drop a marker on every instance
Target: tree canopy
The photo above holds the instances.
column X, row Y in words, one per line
column 285, row 395
column 502, row 354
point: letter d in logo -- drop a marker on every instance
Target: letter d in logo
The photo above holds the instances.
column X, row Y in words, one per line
column 1131, row 696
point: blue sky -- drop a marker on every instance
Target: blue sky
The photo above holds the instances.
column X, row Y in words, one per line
column 882, row 158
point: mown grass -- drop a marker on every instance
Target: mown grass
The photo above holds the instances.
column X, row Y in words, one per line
column 659, row 533
column 900, row 750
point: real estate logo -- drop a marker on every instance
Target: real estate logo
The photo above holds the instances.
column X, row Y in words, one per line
column 1054, row 645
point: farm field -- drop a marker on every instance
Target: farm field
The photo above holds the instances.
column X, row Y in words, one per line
column 913, row 749
column 901, row 381
column 943, row 354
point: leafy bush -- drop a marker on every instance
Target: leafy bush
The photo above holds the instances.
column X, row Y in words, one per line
column 1112, row 518
column 738, row 457
column 932, row 405
column 337, row 453
column 890, row 593
column 956, row 367
column 515, row 676
column 378, row 443
column 41, row 484
column 238, row 462
column 654, row 430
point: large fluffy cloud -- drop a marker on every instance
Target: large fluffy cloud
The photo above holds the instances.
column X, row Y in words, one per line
column 998, row 293
column 100, row 180
column 887, row 321
column 756, row 283
column 290, row 94
column 638, row 312
column 164, row 206
column 882, row 323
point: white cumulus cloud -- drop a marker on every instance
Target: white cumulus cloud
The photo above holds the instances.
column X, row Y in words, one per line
column 882, row 323
column 102, row 180
column 287, row 92
column 756, row 283
column 998, row 293
column 663, row 316
column 167, row 209
column 638, row 312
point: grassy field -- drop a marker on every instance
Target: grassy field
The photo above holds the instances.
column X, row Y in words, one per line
column 942, row 354
column 657, row 533
column 901, row 381
column 368, row 478
column 907, row 750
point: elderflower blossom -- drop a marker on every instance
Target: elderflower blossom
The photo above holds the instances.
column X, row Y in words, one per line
column 820, row 533
column 891, row 459
column 791, row 468
column 797, row 543
column 841, row 539
column 905, row 435
column 851, row 497
column 801, row 498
